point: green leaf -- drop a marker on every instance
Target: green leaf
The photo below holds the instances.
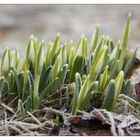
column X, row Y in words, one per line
column 31, row 50
column 124, row 41
column 47, row 55
column 82, row 93
column 103, row 79
column 84, row 77
column 62, row 74
column 28, row 104
column 130, row 62
column 111, row 45
column 118, row 86
column 95, row 38
column 55, row 47
column 63, row 52
column 44, row 79
column 96, row 51
column 71, row 53
column 71, row 88
column 5, row 63
column 5, row 89
column 97, row 66
column 21, row 108
column 106, row 41
column 11, row 81
column 61, row 78
column 40, row 58
column 1, row 84
column 19, row 82
column 126, row 88
column 81, row 49
column 113, row 71
column 38, row 68
column 31, row 85
column 47, row 90
column 14, row 63
column 36, row 90
column 115, row 52
column 78, row 83
column 109, row 96
column 91, row 90
column 77, row 67
column 56, row 67
column 69, row 47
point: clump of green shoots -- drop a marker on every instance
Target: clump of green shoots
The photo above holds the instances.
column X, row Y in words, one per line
column 83, row 71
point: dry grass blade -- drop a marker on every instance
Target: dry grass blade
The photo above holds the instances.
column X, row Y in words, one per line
column 6, row 125
column 17, row 130
column 111, row 119
column 7, row 107
column 55, row 112
column 34, row 118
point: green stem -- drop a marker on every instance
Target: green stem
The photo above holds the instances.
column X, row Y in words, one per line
column 36, row 86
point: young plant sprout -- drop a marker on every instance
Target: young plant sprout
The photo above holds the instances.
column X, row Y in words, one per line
column 64, row 75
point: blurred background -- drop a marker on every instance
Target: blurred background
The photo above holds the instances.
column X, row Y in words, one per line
column 18, row 22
